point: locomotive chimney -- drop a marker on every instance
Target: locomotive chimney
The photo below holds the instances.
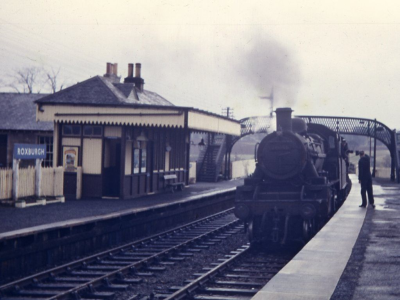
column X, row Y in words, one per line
column 284, row 119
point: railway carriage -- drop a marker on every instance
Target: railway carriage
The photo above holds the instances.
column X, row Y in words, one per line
column 300, row 181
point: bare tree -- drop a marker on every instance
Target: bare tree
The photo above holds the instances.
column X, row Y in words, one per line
column 51, row 81
column 28, row 79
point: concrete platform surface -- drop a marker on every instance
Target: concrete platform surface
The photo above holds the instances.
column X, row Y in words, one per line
column 373, row 270
column 316, row 269
column 15, row 219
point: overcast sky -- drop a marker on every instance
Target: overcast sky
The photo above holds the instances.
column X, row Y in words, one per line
column 322, row 58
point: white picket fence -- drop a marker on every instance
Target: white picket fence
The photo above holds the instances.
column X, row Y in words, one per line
column 26, row 182
column 5, row 184
column 52, row 182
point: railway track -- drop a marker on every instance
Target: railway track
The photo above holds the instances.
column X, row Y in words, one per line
column 100, row 276
column 239, row 276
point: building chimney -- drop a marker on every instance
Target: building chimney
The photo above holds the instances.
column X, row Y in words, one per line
column 137, row 80
column 137, row 73
column 115, row 69
column 111, row 73
column 130, row 70
column 284, row 119
column 109, row 68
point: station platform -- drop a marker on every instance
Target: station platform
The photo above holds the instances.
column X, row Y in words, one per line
column 15, row 220
column 355, row 256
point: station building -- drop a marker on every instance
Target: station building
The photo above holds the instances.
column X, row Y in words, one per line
column 125, row 138
column 18, row 125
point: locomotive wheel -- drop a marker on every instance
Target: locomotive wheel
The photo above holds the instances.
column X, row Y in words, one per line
column 333, row 204
column 308, row 229
column 250, row 234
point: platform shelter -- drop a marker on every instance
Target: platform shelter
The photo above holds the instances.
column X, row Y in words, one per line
column 126, row 139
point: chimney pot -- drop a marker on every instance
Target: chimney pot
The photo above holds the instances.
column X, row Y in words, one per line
column 137, row 73
column 115, row 69
column 130, row 70
column 109, row 68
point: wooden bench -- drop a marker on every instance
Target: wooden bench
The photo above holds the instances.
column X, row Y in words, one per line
column 173, row 186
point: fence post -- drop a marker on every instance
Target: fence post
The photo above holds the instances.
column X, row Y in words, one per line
column 38, row 177
column 15, row 178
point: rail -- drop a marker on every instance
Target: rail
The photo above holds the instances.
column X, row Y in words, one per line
column 114, row 269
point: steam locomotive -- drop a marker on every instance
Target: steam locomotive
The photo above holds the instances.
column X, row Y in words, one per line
column 300, row 181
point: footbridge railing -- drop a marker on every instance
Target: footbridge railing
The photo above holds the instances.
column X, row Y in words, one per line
column 344, row 125
column 364, row 127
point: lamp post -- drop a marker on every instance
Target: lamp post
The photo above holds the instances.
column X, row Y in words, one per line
column 202, row 144
column 376, row 129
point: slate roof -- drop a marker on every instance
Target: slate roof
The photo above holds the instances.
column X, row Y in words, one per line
column 102, row 91
column 18, row 112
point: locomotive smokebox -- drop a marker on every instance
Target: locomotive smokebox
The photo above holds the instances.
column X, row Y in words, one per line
column 284, row 119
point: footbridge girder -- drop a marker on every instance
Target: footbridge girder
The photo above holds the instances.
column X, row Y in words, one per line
column 343, row 125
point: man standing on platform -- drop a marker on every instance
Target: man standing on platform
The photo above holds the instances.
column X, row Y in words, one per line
column 365, row 178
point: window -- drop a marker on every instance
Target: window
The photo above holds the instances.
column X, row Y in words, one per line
column 48, row 141
column 71, row 129
column 139, row 160
column 143, row 167
column 92, row 131
column 136, row 155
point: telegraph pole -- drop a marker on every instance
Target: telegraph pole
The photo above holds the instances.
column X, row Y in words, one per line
column 228, row 112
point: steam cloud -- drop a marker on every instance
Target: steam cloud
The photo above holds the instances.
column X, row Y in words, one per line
column 264, row 63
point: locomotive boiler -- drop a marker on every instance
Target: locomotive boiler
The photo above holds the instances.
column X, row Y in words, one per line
column 299, row 182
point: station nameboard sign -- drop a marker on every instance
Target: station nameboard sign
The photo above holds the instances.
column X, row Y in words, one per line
column 29, row 151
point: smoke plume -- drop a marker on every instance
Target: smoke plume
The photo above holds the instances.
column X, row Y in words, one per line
column 263, row 63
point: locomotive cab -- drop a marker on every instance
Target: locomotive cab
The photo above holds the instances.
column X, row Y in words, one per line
column 297, row 185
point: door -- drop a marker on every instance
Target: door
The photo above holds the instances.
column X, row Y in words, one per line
column 112, row 167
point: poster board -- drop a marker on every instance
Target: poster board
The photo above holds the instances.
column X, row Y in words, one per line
column 70, row 158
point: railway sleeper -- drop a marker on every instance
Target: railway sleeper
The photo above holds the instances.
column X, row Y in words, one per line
column 184, row 254
column 215, row 297
column 112, row 286
column 193, row 250
column 247, row 276
column 129, row 280
column 159, row 296
column 167, row 263
column 241, row 270
column 38, row 293
column 156, row 268
column 239, row 283
column 102, row 267
column 228, row 291
column 22, row 298
column 208, row 243
column 173, row 258
column 88, row 273
column 116, row 263
column 57, row 286
column 98, row 295
column 123, row 257
column 73, row 279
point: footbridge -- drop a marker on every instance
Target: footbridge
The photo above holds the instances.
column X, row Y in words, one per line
column 343, row 125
